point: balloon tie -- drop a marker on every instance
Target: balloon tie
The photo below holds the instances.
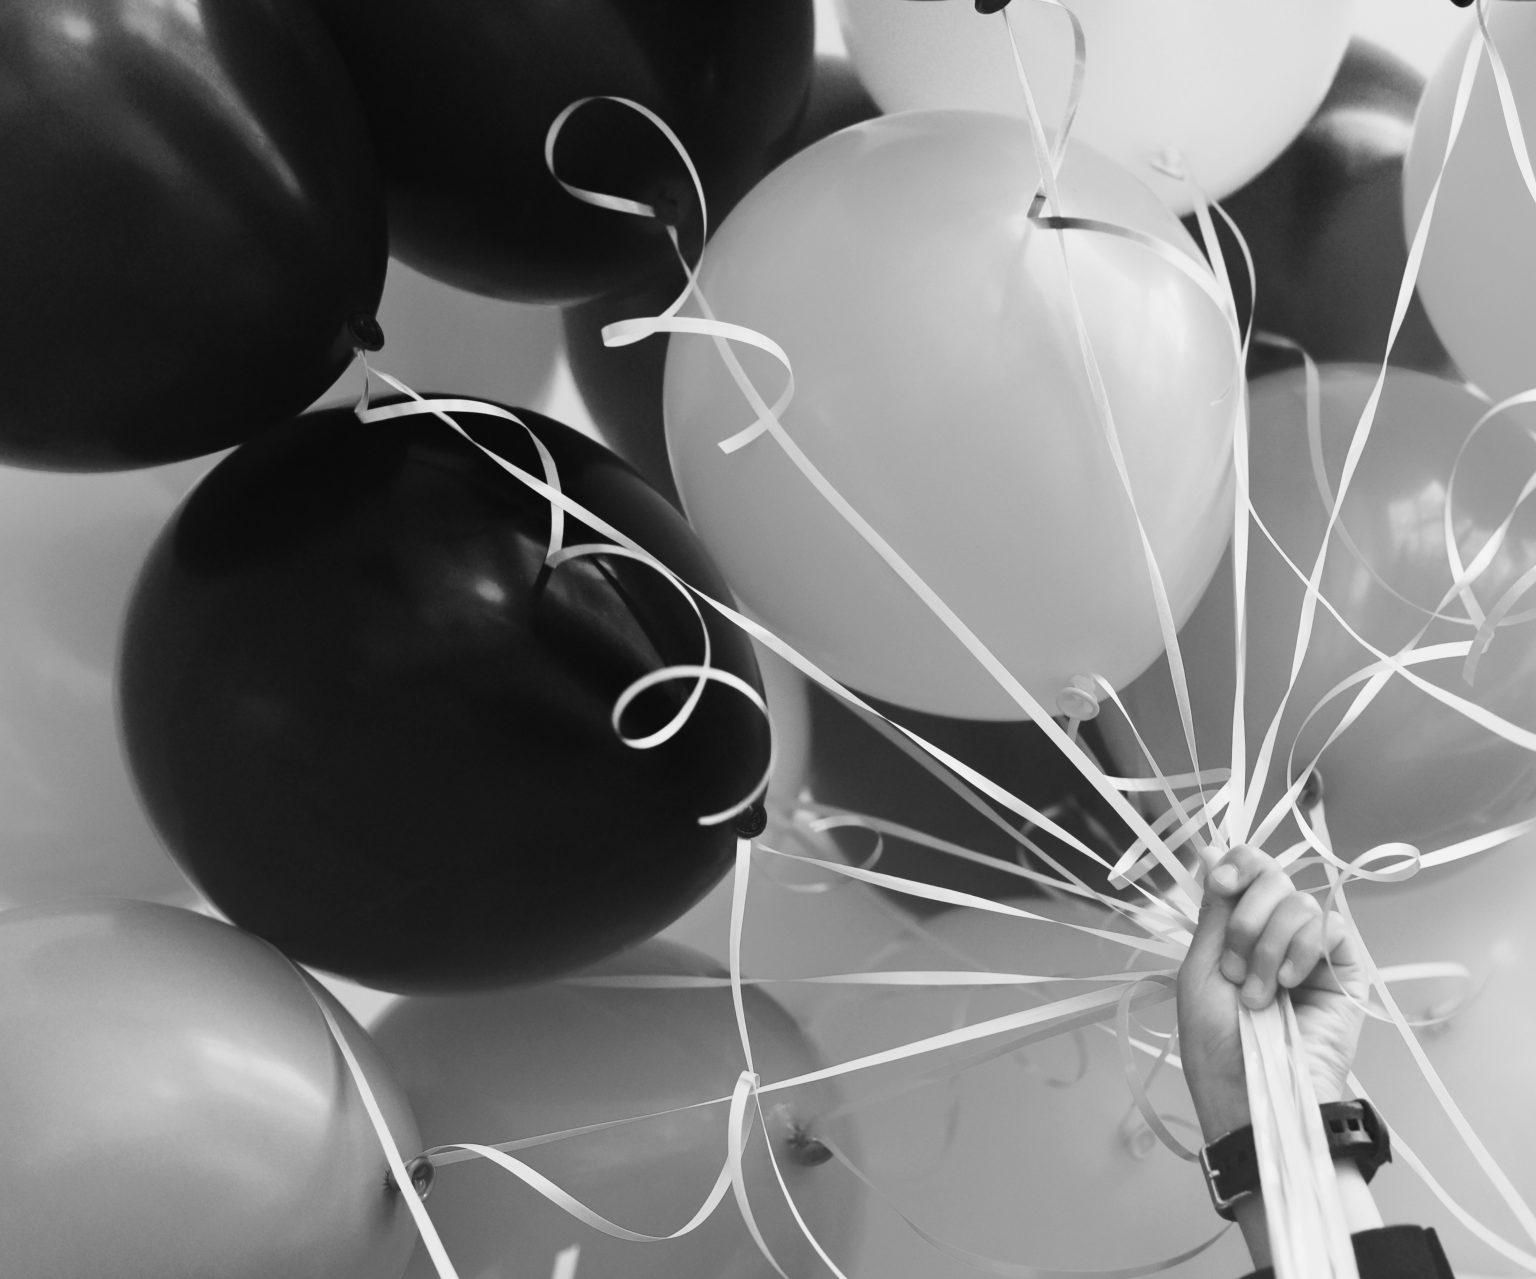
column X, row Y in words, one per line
column 422, row 1173
column 367, row 333
column 1078, row 701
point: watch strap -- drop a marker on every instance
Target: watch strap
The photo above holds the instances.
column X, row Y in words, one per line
column 1231, row 1163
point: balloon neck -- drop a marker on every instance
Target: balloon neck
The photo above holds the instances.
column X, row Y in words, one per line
column 807, row 1150
column 1079, row 700
column 1170, row 163
column 991, row 6
column 671, row 202
column 752, row 822
column 423, row 1175
column 797, row 1138
column 367, row 333
column 1311, row 791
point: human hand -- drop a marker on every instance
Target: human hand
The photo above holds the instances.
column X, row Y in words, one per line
column 1257, row 932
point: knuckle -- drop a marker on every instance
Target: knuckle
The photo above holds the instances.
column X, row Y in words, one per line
column 1246, row 857
column 1273, row 945
column 1273, row 876
column 1243, row 931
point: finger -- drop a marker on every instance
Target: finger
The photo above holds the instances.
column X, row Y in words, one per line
column 1305, row 953
column 1338, row 966
column 1340, row 943
column 1293, row 914
column 1249, row 917
column 1234, row 872
column 1210, row 936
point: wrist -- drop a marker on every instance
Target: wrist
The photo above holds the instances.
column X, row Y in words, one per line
column 1220, row 1107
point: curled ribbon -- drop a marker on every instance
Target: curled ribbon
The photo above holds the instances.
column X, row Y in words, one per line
column 621, row 546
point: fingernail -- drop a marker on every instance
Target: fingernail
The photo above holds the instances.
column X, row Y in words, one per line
column 1224, row 878
column 1287, row 973
column 1233, row 967
column 1253, row 992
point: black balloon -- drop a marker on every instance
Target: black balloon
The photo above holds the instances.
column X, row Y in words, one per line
column 621, row 386
column 837, row 100
column 1325, row 225
column 460, row 95
column 376, row 733
column 853, row 766
column 191, row 216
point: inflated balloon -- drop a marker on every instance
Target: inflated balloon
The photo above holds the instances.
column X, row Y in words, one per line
column 799, row 921
column 854, row 767
column 1478, row 916
column 1324, row 225
column 1037, row 1158
column 69, row 820
column 940, row 388
column 177, row 1106
column 1479, row 265
column 201, row 211
column 519, row 1063
column 460, row 95
column 1216, row 89
column 622, row 386
column 1409, row 769
column 837, row 99
column 376, row 730
column 436, row 335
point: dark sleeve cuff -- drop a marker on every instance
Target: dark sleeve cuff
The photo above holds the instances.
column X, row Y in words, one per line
column 1394, row 1252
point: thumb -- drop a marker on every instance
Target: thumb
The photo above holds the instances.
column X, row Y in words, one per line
column 1210, row 935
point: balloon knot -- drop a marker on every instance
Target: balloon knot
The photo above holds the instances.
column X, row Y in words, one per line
column 1078, row 700
column 423, row 1175
column 367, row 332
column 752, row 822
column 806, row 1150
column 669, row 203
column 1170, row 163
column 1311, row 791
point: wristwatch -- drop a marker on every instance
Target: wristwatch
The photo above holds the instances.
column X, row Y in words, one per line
column 1231, row 1164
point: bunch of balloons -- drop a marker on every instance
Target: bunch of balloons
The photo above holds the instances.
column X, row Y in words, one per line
column 384, row 704
column 924, row 388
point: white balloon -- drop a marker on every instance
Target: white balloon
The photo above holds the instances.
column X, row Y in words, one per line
column 1223, row 84
column 1479, row 269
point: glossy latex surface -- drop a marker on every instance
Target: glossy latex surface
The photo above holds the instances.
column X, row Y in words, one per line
column 172, row 1103
column 1479, row 268
column 375, row 734
column 198, row 218
column 1037, row 1157
column 622, row 386
column 939, row 387
column 1324, row 225
column 524, row 1062
column 1409, row 768
column 460, row 95
column 1221, row 86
